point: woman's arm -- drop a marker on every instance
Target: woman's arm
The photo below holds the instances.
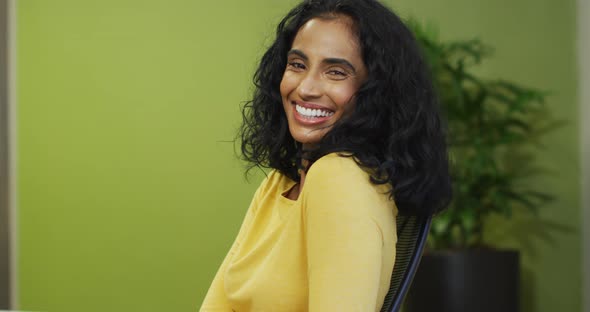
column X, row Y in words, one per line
column 344, row 239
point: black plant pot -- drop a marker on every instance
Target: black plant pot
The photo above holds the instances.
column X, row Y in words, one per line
column 483, row 280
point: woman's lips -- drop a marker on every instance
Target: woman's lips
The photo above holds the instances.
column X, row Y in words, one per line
column 311, row 120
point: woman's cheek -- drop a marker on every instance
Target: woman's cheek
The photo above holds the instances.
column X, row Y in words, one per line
column 342, row 96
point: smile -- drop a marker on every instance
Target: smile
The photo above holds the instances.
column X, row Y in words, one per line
column 312, row 113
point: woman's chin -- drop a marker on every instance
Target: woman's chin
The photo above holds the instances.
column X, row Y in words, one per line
column 307, row 140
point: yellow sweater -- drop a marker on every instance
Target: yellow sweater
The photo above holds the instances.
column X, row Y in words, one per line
column 332, row 249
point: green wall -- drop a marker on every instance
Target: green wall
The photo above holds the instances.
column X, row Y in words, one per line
column 129, row 191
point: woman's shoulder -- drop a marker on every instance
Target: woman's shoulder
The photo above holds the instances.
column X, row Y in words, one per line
column 341, row 173
column 336, row 181
column 337, row 166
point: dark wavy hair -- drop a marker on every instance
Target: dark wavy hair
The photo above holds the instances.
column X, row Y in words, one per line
column 395, row 129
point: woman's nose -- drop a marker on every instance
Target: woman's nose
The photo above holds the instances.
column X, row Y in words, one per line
column 310, row 86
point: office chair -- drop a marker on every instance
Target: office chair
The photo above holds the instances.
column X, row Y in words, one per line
column 412, row 232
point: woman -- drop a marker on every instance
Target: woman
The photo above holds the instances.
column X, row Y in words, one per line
column 345, row 114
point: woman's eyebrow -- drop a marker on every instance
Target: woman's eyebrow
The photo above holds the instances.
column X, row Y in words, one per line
column 298, row 53
column 338, row 61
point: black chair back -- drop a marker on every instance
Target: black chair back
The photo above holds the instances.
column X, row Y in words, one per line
column 412, row 232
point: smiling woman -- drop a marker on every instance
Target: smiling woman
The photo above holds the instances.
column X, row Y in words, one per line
column 324, row 70
column 345, row 114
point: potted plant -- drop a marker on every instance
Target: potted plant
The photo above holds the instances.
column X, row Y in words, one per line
column 493, row 128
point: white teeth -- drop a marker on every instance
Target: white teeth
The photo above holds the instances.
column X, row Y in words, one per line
column 308, row 112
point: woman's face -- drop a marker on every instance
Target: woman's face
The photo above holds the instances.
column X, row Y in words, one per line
column 324, row 70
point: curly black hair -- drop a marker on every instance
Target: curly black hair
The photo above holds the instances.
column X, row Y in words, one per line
column 395, row 129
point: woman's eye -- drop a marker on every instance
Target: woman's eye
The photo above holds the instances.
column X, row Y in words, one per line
column 296, row 65
column 338, row 73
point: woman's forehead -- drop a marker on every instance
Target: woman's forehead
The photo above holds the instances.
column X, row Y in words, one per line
column 332, row 37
